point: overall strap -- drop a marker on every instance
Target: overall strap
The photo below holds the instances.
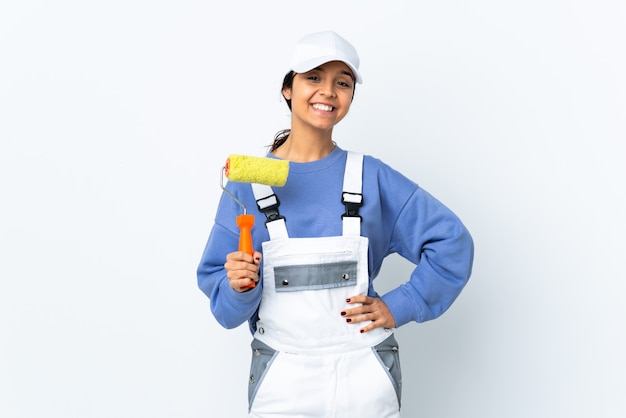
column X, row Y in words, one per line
column 268, row 203
column 352, row 196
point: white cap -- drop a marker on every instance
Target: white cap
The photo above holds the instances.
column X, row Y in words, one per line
column 318, row 48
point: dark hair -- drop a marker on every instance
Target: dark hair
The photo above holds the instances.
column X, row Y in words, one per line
column 282, row 135
column 288, row 84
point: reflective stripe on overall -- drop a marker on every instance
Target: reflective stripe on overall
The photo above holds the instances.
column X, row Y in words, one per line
column 307, row 361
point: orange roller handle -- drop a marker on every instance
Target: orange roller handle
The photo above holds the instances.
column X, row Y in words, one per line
column 245, row 223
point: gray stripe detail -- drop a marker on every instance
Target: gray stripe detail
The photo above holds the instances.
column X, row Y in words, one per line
column 387, row 353
column 315, row 276
column 262, row 358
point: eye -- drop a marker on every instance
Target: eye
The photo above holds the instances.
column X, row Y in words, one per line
column 344, row 82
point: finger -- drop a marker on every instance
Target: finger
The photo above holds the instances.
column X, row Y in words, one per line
column 378, row 322
column 240, row 256
column 374, row 321
column 368, row 328
column 363, row 301
column 367, row 305
column 235, row 264
column 248, row 284
column 359, row 299
column 257, row 258
column 358, row 314
column 243, row 272
column 355, row 319
column 374, row 325
column 242, row 278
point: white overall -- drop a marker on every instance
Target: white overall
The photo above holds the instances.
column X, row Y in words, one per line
column 307, row 360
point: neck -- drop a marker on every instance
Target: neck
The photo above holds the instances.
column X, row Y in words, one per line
column 302, row 149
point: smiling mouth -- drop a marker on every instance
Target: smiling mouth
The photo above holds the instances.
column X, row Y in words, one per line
column 325, row 108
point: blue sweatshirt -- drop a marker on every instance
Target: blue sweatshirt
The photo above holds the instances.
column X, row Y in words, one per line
column 398, row 217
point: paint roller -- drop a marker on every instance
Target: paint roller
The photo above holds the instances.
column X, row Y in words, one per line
column 247, row 169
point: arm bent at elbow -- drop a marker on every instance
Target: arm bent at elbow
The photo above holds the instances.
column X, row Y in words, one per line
column 443, row 251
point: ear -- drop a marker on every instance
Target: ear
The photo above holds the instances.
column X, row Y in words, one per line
column 287, row 93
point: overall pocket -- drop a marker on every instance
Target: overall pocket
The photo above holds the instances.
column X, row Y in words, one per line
column 262, row 358
column 388, row 355
column 293, row 278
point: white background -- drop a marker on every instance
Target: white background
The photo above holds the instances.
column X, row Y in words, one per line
column 116, row 117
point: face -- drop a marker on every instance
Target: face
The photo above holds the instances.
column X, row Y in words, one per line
column 321, row 98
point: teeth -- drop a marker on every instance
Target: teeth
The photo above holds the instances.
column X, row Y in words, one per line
column 324, row 107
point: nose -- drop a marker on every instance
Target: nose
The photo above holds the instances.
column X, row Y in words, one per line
column 328, row 88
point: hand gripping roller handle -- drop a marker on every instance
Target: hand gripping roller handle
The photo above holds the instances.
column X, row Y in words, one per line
column 245, row 222
column 246, row 169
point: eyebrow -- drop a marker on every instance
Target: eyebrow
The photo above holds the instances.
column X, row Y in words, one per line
column 345, row 72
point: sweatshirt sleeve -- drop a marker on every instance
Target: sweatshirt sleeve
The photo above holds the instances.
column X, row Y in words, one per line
column 230, row 308
column 430, row 235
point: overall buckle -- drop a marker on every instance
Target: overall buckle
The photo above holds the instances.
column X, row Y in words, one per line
column 352, row 202
column 269, row 206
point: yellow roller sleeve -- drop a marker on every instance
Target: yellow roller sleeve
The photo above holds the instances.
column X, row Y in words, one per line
column 262, row 170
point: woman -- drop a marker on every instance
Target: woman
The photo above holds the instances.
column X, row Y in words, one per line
column 323, row 338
